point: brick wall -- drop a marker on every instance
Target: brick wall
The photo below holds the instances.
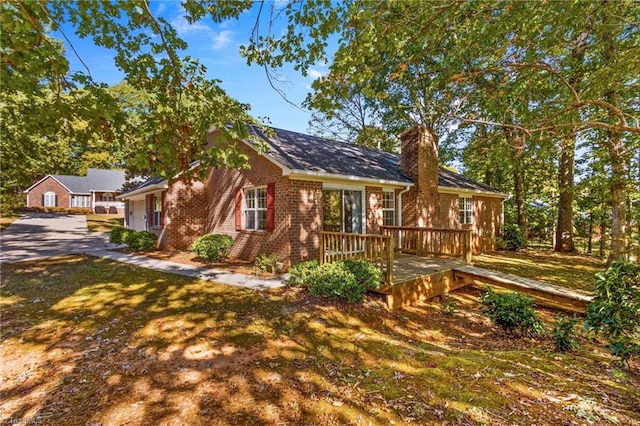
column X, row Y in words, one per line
column 35, row 196
column 305, row 215
column 184, row 207
column 374, row 213
column 487, row 223
column 419, row 161
column 449, row 211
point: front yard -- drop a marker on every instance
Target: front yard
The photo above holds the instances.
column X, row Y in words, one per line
column 103, row 222
column 88, row 341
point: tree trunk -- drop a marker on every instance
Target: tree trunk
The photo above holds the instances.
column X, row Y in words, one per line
column 615, row 147
column 518, row 188
column 603, row 231
column 590, row 240
column 564, row 227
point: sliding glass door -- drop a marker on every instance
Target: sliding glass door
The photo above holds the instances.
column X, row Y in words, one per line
column 342, row 211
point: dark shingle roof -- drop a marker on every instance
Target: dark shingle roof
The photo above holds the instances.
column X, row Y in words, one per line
column 449, row 179
column 96, row 180
column 298, row 151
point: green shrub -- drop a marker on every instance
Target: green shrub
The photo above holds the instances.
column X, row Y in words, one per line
column 116, row 234
column 615, row 309
column 513, row 312
column 144, row 241
column 299, row 273
column 512, row 238
column 138, row 240
column 347, row 279
column 563, row 334
column 268, row 263
column 334, row 280
column 365, row 272
column 212, row 247
column 129, row 236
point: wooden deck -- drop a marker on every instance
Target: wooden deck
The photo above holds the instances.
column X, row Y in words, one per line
column 419, row 278
column 422, row 263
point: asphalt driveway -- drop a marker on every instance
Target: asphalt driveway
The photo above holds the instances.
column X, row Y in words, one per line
column 40, row 235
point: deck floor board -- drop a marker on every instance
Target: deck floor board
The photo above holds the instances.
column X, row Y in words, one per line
column 411, row 269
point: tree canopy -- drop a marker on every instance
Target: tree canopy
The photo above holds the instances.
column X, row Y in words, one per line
column 527, row 82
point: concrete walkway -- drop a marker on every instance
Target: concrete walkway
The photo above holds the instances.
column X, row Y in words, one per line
column 209, row 274
column 36, row 236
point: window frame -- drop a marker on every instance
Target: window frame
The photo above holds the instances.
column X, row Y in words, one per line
column 157, row 209
column 389, row 210
column 107, row 197
column 254, row 217
column 47, row 197
column 465, row 210
column 86, row 201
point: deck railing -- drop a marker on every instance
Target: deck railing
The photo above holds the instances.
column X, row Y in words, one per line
column 431, row 241
column 377, row 249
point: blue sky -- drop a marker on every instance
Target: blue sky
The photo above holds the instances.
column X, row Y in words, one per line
column 217, row 47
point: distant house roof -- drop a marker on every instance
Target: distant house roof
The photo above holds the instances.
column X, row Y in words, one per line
column 105, row 180
column 96, row 180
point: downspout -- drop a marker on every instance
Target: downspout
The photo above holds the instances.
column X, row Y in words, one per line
column 400, row 204
column 404, row 191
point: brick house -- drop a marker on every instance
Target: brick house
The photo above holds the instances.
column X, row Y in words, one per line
column 96, row 191
column 305, row 184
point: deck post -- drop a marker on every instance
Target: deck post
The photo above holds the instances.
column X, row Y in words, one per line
column 467, row 246
column 321, row 248
column 390, row 250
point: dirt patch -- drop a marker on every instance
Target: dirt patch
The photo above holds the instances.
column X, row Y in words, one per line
column 187, row 258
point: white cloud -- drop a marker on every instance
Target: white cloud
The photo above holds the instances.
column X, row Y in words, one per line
column 315, row 73
column 222, row 39
column 183, row 27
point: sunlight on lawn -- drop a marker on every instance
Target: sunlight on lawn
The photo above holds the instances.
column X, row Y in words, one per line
column 103, row 222
column 87, row 340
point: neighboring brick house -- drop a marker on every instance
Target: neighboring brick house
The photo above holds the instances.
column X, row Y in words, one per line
column 305, row 184
column 96, row 191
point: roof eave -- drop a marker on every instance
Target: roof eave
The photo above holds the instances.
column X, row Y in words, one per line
column 306, row 174
column 26, row 191
column 456, row 190
column 149, row 188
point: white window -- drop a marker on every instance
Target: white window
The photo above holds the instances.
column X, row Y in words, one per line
column 388, row 208
column 107, row 196
column 49, row 199
column 465, row 207
column 157, row 209
column 255, row 208
column 80, row 201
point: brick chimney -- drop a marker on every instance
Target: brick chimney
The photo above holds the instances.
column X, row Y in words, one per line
column 419, row 161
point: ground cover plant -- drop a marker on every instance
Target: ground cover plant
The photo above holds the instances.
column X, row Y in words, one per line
column 89, row 341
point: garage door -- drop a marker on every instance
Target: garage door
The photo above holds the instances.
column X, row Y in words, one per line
column 136, row 215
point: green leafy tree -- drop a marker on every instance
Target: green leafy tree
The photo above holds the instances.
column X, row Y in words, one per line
column 553, row 70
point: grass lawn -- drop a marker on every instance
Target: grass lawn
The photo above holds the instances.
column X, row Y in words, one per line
column 572, row 271
column 6, row 221
column 88, row 341
column 103, row 222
